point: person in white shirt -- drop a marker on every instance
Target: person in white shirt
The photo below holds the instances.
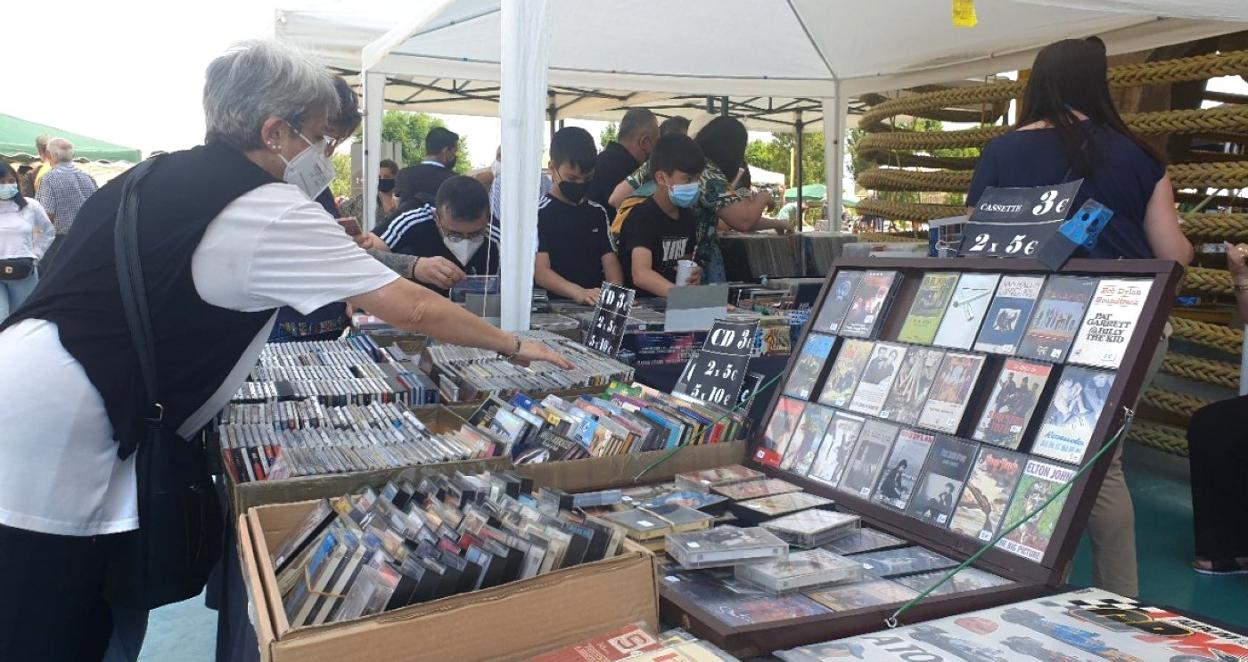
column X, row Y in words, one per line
column 71, row 407
column 25, row 235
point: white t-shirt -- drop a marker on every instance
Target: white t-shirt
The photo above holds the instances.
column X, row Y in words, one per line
column 59, row 470
column 25, row 231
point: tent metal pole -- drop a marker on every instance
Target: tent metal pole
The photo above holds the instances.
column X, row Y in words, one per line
column 374, row 110
column 553, row 112
column 798, row 126
column 835, row 119
column 723, row 106
column 524, row 62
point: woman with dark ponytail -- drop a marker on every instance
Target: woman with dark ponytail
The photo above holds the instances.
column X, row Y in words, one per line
column 1068, row 129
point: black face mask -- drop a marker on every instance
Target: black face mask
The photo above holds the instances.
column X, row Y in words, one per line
column 385, row 184
column 574, row 191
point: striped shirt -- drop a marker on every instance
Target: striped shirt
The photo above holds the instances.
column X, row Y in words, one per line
column 400, row 224
column 62, row 192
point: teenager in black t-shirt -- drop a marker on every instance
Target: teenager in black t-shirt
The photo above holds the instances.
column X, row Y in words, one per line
column 661, row 231
column 574, row 251
column 451, row 237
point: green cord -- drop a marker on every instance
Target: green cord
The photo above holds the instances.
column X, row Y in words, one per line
column 728, row 413
column 891, row 621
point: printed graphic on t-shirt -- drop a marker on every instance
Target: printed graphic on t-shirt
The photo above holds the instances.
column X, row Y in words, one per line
column 674, row 248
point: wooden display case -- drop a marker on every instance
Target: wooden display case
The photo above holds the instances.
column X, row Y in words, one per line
column 1030, row 579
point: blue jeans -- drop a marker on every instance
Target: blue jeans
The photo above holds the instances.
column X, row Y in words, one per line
column 14, row 292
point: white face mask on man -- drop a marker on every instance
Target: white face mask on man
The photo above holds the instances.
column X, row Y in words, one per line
column 311, row 170
column 464, row 249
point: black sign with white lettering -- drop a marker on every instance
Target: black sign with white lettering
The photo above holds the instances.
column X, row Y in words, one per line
column 749, row 387
column 1016, row 222
column 606, row 330
column 716, row 372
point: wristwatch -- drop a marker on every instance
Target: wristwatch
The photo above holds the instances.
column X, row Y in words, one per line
column 1240, row 285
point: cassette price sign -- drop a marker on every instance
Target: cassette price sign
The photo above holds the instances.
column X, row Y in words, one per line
column 606, row 330
column 715, row 374
column 1016, row 222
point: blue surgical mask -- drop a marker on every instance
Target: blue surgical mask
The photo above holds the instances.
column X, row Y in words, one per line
column 8, row 191
column 684, row 195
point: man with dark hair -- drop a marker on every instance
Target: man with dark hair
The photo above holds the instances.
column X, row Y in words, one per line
column 639, row 131
column 675, row 124
column 574, row 251
column 661, row 231
column 421, row 181
column 449, row 237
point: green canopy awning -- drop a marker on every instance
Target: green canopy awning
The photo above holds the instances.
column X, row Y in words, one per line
column 17, row 141
column 809, row 192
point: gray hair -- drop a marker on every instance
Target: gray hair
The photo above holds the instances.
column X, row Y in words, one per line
column 637, row 120
column 256, row 80
column 61, row 150
column 41, row 142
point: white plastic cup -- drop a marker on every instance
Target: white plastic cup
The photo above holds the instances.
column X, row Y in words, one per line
column 684, row 271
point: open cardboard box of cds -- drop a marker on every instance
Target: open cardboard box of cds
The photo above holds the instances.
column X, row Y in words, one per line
column 512, row 621
column 437, row 418
column 942, row 400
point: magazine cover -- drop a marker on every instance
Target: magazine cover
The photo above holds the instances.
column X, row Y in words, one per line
column 867, row 460
column 967, row 308
column 1110, row 322
column 982, row 507
column 850, row 360
column 1073, row 413
column 870, row 303
column 914, row 379
column 784, row 420
column 808, row 365
column 940, row 484
column 901, row 469
column 838, row 444
column 1057, row 317
column 1009, row 313
column 950, row 393
column 1012, row 402
column 928, row 308
column 1040, row 480
column 877, row 378
column 805, row 441
column 837, row 304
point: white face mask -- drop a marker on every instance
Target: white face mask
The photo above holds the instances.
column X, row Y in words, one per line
column 311, row 170
column 464, row 250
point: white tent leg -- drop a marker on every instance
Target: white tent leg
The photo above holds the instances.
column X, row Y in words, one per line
column 835, row 117
column 374, row 108
column 525, row 57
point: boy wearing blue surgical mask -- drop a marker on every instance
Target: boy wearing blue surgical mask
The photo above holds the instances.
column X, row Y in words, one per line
column 661, row 231
column 574, row 250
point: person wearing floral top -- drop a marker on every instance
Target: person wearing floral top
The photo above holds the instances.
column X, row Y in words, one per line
column 723, row 141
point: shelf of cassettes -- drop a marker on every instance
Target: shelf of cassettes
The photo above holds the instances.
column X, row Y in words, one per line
column 1031, row 578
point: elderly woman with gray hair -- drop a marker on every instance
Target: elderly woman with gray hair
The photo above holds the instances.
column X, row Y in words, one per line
column 226, row 234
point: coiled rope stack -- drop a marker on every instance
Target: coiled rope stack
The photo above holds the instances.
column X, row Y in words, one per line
column 893, row 153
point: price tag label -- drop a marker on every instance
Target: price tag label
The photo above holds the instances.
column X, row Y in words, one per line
column 606, row 330
column 716, row 373
column 1016, row 222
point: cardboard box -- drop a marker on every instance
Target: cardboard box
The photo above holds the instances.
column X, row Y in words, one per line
column 508, row 622
column 437, row 418
column 596, row 473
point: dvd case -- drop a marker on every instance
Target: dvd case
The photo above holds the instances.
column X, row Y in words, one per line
column 1110, row 322
column 784, row 421
column 805, row 441
column 1014, row 398
column 901, row 470
column 966, row 580
column 860, row 595
column 840, row 295
column 725, row 546
column 951, row 392
column 1056, row 318
column 864, row 540
column 703, row 481
column 1040, row 480
column 804, row 569
column 838, row 443
column 755, row 489
column 1073, row 413
column 870, row 303
column 948, row 465
column 987, row 493
column 776, row 505
column 928, row 308
column 867, row 460
column 877, row 378
column 1009, row 314
column 967, row 308
column 852, row 358
column 914, row 380
column 890, row 563
column 814, row 527
column 809, row 365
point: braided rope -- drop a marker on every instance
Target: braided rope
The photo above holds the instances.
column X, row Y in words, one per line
column 1210, row 281
column 1182, row 175
column 1172, row 401
column 1216, row 226
column 907, row 211
column 1223, row 118
column 885, row 237
column 1199, row 67
column 1209, row 335
column 1219, row 373
column 1164, row 437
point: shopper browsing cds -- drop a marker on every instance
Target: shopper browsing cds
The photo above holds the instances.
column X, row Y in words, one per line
column 662, row 231
column 223, row 242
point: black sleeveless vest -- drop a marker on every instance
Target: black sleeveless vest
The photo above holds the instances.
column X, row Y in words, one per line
column 197, row 344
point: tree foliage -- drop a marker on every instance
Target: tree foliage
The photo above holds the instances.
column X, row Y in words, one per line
column 410, row 129
column 776, row 155
column 609, row 134
column 342, row 175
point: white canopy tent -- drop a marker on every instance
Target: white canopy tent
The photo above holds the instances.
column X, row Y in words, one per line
column 830, row 50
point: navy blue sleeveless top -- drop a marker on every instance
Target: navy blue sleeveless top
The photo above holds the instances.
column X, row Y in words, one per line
column 1123, row 179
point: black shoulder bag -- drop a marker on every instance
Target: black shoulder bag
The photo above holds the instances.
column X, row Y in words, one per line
column 180, row 528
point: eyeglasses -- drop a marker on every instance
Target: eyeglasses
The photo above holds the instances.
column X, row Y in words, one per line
column 456, row 237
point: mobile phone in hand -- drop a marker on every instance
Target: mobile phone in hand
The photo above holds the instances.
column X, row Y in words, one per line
column 351, row 225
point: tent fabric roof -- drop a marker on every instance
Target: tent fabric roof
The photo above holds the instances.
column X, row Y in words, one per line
column 783, row 48
column 17, row 141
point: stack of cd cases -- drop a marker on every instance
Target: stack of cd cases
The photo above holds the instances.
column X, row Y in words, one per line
column 468, row 373
column 805, row 569
column 813, row 527
column 725, row 546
